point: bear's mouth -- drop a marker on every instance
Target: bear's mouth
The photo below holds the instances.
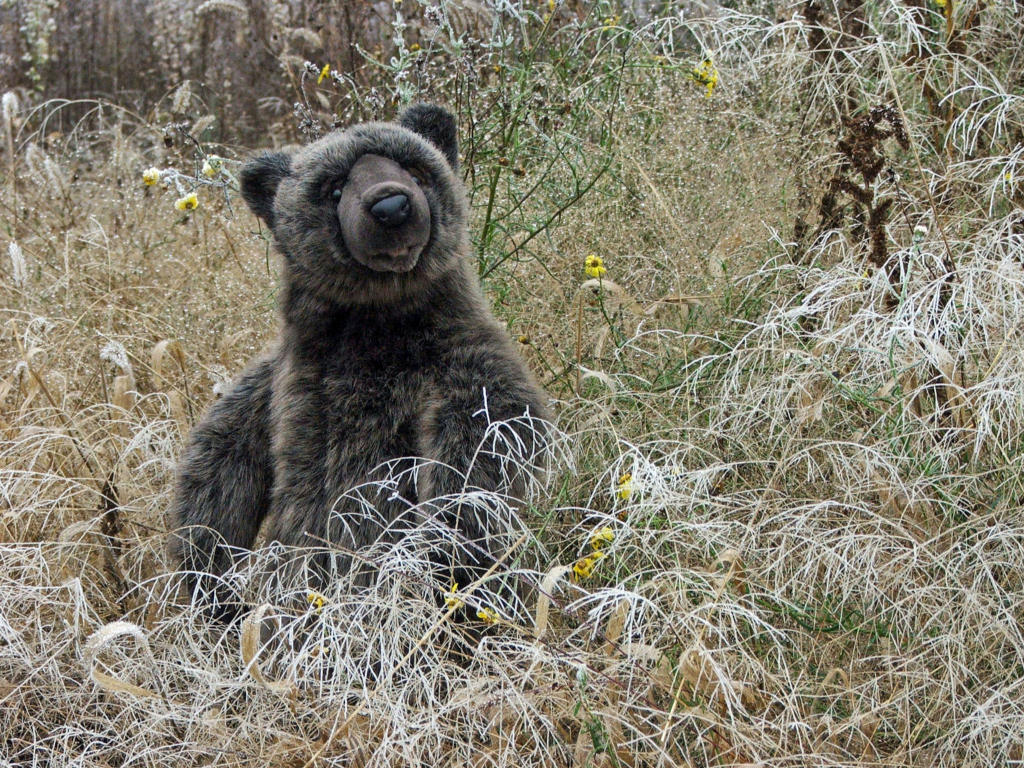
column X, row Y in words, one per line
column 399, row 260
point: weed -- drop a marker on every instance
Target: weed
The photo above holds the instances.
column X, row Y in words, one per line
column 785, row 522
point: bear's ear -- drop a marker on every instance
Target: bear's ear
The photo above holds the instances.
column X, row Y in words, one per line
column 435, row 124
column 259, row 180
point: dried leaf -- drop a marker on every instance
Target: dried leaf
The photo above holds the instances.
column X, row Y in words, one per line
column 103, row 637
column 251, row 644
column 613, row 631
column 164, row 350
column 182, row 98
column 544, row 598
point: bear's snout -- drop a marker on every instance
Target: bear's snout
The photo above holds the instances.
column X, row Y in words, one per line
column 384, row 215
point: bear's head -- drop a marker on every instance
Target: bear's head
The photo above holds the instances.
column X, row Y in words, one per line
column 374, row 214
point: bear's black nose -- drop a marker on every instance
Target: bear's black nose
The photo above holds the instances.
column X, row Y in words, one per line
column 392, row 211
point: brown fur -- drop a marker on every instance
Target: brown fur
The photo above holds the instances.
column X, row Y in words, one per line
column 385, row 357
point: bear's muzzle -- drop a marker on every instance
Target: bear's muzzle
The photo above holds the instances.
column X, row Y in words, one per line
column 384, row 215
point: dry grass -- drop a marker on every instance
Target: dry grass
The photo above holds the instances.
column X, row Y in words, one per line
column 785, row 527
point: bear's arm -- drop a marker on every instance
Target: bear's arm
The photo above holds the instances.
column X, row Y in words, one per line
column 224, row 477
column 485, row 428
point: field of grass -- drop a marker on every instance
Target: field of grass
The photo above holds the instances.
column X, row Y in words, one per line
column 785, row 522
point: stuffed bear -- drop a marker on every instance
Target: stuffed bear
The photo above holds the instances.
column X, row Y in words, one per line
column 390, row 372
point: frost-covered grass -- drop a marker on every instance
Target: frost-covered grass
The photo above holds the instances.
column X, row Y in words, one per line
column 786, row 522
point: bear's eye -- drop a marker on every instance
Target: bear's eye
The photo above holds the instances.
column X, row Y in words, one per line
column 418, row 175
column 336, row 194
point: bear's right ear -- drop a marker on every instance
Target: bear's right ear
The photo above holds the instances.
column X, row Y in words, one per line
column 259, row 180
column 437, row 125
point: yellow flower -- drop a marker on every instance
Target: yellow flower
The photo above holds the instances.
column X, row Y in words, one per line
column 551, row 5
column 705, row 74
column 625, row 486
column 604, row 536
column 1008, row 177
column 488, row 616
column 414, row 48
column 316, row 600
column 150, row 176
column 594, row 266
column 323, row 73
column 611, row 21
column 584, row 567
column 187, row 203
column 450, row 598
column 941, row 4
column 212, row 166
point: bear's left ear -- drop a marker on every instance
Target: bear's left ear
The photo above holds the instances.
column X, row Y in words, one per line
column 259, row 181
column 435, row 124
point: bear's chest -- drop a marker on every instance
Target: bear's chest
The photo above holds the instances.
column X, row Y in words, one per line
column 374, row 382
column 371, row 400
